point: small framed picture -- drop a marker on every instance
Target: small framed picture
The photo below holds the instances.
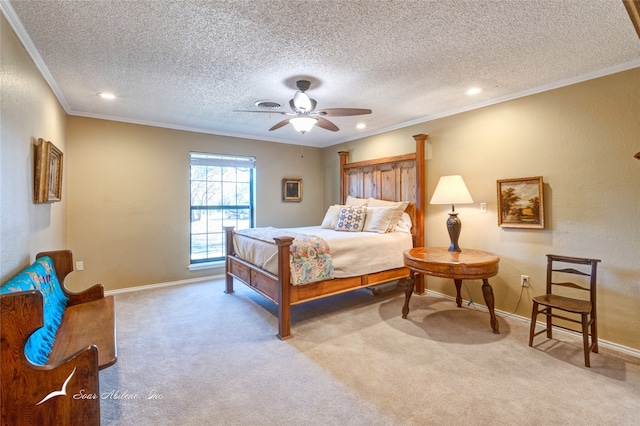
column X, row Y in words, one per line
column 521, row 203
column 292, row 190
column 48, row 173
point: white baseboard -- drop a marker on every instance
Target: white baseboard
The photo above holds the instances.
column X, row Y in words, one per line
column 611, row 347
column 166, row 284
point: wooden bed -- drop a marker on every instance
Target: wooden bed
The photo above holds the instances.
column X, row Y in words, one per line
column 399, row 178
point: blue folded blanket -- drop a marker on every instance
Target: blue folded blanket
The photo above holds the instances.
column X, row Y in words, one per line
column 41, row 276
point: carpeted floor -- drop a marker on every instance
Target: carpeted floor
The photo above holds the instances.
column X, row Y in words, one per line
column 193, row 355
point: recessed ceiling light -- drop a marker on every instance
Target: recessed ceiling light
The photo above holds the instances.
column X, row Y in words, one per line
column 360, row 126
column 106, row 95
column 474, row 91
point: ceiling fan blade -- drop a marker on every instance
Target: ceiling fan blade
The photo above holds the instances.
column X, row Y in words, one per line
column 343, row 112
column 280, row 124
column 326, row 124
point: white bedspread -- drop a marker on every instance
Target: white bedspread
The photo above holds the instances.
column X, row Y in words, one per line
column 353, row 253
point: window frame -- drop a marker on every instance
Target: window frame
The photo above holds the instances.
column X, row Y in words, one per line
column 222, row 161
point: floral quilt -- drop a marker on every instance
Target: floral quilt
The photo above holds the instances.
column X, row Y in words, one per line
column 310, row 258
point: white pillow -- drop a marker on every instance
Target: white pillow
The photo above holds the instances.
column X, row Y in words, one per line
column 404, row 225
column 351, row 219
column 354, row 201
column 378, row 219
column 399, row 206
column 331, row 217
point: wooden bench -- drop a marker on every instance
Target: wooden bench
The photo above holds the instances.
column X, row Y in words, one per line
column 84, row 343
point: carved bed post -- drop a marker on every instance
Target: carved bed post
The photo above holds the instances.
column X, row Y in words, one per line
column 343, row 176
column 228, row 251
column 420, row 199
column 284, row 287
column 420, row 180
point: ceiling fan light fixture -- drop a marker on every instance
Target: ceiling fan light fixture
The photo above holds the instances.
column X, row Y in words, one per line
column 303, row 124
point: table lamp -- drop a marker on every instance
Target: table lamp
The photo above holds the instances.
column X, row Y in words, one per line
column 452, row 190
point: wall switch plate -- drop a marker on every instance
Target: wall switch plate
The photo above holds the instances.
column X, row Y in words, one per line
column 79, row 265
column 483, row 207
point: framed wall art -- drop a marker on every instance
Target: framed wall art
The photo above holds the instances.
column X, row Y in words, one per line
column 48, row 173
column 292, row 190
column 521, row 203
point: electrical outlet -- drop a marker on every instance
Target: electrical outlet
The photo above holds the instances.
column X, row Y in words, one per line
column 79, row 265
column 524, row 280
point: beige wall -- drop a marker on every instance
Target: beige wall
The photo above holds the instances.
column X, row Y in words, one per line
column 581, row 139
column 28, row 111
column 128, row 191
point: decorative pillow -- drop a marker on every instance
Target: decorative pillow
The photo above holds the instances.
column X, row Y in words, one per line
column 353, row 201
column 331, row 217
column 400, row 206
column 41, row 276
column 351, row 219
column 378, row 219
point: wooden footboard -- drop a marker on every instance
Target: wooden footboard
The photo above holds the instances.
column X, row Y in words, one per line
column 274, row 288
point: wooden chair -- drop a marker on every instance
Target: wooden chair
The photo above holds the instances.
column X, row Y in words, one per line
column 586, row 309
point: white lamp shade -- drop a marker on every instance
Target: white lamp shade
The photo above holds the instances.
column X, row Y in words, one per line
column 451, row 190
column 303, row 124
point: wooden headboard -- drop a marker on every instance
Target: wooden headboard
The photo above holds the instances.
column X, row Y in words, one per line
column 399, row 178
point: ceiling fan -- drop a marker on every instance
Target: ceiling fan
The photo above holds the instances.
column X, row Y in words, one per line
column 304, row 115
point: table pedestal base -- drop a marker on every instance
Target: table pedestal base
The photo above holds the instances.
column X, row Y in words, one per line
column 487, row 292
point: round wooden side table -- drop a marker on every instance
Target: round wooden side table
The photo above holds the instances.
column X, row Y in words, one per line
column 465, row 265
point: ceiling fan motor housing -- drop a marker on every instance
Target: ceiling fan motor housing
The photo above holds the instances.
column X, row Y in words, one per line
column 302, row 102
column 303, row 85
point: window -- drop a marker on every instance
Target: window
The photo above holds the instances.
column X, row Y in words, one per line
column 221, row 195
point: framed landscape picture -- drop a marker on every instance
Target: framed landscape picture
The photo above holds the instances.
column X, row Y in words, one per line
column 48, row 173
column 520, row 203
column 292, row 190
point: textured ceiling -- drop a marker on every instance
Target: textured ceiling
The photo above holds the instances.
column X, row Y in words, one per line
column 190, row 64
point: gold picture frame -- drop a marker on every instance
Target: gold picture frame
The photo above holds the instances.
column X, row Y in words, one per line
column 291, row 190
column 521, row 203
column 48, row 173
